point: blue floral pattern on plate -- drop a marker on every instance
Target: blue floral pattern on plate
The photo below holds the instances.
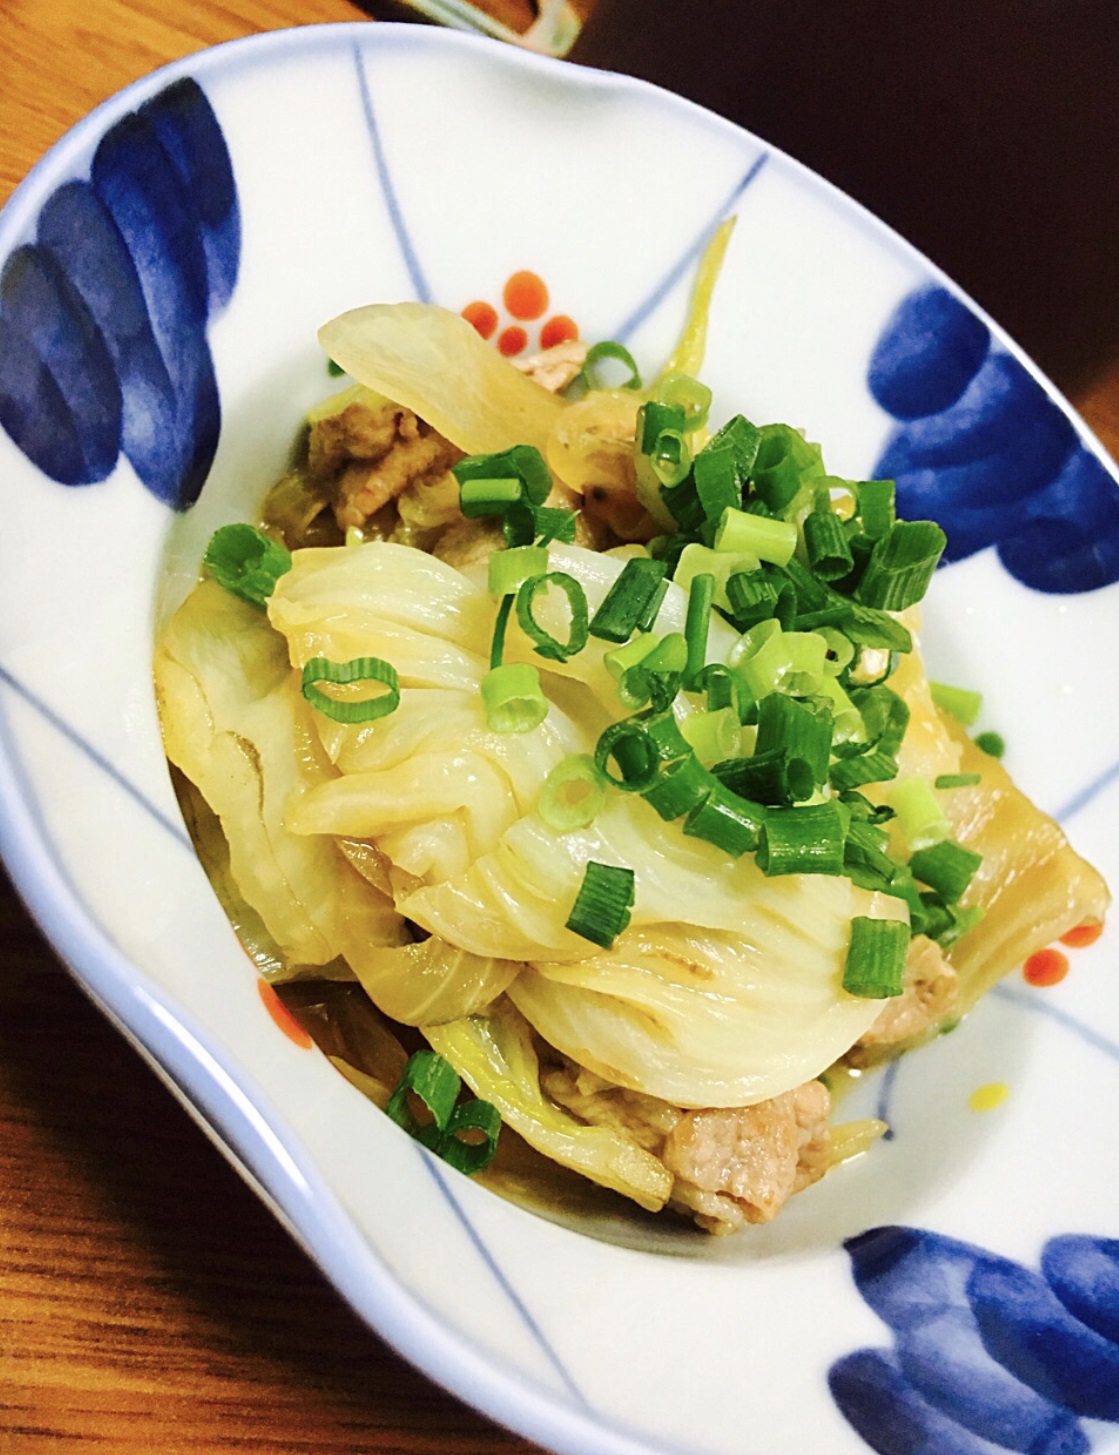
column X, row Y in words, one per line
column 103, row 318
column 987, row 1354
column 982, row 448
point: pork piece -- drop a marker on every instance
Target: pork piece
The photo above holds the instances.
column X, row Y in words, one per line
column 370, row 451
column 741, row 1164
column 931, row 998
column 731, row 1165
column 557, row 367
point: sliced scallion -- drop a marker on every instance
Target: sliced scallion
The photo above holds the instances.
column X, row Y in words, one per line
column 513, row 698
column 947, row 867
column 436, row 1083
column 740, row 533
column 246, row 561
column 543, row 642
column 993, row 744
column 573, row 795
column 679, row 787
column 876, row 507
column 609, row 350
column 478, row 1120
column 729, row 822
column 920, row 817
column 601, row 909
column 714, row 736
column 958, row 702
column 627, row 600
column 876, row 955
column 681, row 391
column 701, row 594
column 829, row 555
column 803, row 840
column 957, row 780
column 901, row 565
column 628, row 745
column 351, row 708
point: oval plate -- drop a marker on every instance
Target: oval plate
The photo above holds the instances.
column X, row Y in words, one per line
column 164, row 273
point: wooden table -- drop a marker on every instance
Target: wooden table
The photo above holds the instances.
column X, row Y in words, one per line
column 148, row 1303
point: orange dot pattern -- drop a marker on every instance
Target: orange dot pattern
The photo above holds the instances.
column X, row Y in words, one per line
column 525, row 299
column 1082, row 936
column 1047, row 967
column 282, row 1016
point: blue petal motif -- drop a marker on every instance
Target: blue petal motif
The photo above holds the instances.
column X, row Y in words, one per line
column 103, row 319
column 987, row 1354
column 984, row 451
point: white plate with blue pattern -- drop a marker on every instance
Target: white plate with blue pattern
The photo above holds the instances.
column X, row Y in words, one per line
column 165, row 270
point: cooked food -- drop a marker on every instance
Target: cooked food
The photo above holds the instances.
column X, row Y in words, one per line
column 596, row 748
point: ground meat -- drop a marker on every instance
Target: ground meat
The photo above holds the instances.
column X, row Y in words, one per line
column 741, row 1164
column 931, row 997
column 369, row 452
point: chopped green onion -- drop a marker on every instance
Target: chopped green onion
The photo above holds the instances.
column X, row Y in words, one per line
column 573, row 795
column 682, row 503
column 957, row 702
column 993, row 744
column 744, row 439
column 629, row 745
column 513, row 698
column 717, row 480
column 713, row 735
column 524, row 523
column 344, row 674
column 785, row 460
column 716, row 681
column 246, row 561
column 477, row 498
column 653, row 418
column 875, row 767
column 741, row 533
column 679, row 788
column 785, row 725
column 657, row 677
column 601, row 909
column 769, row 778
column 876, row 956
column 630, row 654
column 509, row 569
column 701, row 593
column 785, row 661
column 664, row 733
column 607, row 349
column 473, row 1116
column 946, row 923
column 849, row 732
column 901, row 565
column 829, row 555
column 501, row 622
column 681, row 391
column 876, row 507
column 523, row 464
column 865, row 625
column 841, row 650
column 751, row 597
column 699, row 560
column 670, row 458
column 920, row 816
column 334, row 370
column 437, row 1084
column 806, row 840
column 957, row 780
column 886, row 715
column 729, row 822
column 542, row 640
column 649, row 615
column 947, row 867
column 627, row 600
column 866, row 848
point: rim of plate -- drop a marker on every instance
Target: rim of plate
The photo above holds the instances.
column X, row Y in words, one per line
column 253, row 1133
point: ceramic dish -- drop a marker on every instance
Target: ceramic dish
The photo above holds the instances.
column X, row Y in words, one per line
column 165, row 271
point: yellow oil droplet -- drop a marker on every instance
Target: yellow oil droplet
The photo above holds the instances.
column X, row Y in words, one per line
column 986, row 1098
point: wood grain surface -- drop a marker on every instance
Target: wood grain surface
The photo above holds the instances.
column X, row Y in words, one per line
column 148, row 1302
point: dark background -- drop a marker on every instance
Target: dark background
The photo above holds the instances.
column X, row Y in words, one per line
column 985, row 131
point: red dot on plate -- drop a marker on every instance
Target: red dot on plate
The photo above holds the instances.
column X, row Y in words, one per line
column 1047, row 967
column 526, row 295
column 1082, row 935
column 483, row 316
column 282, row 1016
column 558, row 330
column 512, row 340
